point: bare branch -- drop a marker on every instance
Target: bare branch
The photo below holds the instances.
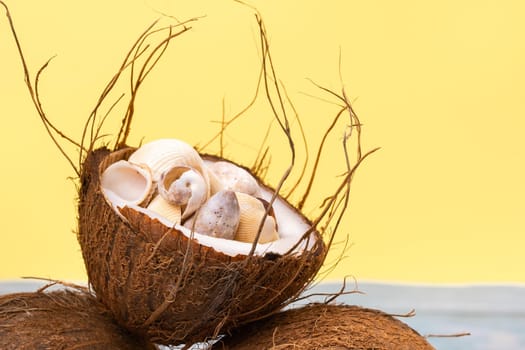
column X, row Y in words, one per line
column 454, row 335
column 33, row 91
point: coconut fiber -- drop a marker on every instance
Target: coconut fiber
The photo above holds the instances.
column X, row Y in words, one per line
column 61, row 320
column 320, row 326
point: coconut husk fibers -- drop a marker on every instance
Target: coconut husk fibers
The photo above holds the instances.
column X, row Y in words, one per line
column 61, row 320
column 321, row 326
column 160, row 284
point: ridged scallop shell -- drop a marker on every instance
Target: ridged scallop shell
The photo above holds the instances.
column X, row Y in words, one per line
column 185, row 187
column 218, row 217
column 163, row 154
column 252, row 213
column 169, row 211
column 233, row 177
column 126, row 183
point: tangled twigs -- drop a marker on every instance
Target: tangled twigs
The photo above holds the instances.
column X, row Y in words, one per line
column 151, row 55
column 35, row 97
column 92, row 128
column 334, row 206
column 53, row 282
column 330, row 297
column 279, row 114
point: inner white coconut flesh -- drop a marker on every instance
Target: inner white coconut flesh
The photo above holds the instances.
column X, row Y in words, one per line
column 291, row 228
column 291, row 225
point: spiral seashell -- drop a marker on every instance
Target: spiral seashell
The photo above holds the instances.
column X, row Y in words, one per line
column 233, row 177
column 166, row 209
column 185, row 187
column 163, row 154
column 126, row 183
column 218, row 217
column 252, row 213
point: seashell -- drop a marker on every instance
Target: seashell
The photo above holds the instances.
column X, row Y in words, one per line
column 163, row 154
column 126, row 183
column 235, row 178
column 185, row 187
column 164, row 208
column 252, row 213
column 218, row 217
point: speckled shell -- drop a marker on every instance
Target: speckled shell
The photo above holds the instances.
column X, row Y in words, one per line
column 218, row 217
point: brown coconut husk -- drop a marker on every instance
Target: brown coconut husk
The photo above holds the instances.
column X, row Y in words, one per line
column 155, row 281
column 159, row 283
column 321, row 326
column 63, row 319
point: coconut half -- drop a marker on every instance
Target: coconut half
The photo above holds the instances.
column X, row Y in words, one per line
column 163, row 281
column 321, row 326
column 62, row 319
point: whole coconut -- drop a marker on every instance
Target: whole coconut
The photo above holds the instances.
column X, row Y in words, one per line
column 320, row 326
column 61, row 320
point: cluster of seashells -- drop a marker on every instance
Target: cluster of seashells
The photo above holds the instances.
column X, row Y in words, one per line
column 168, row 178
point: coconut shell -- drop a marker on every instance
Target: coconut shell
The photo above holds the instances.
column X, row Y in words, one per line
column 320, row 326
column 163, row 285
column 61, row 320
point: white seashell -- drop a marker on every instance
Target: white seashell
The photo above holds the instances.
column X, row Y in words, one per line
column 185, row 187
column 235, row 178
column 252, row 213
column 163, row 154
column 218, row 217
column 125, row 183
column 169, row 211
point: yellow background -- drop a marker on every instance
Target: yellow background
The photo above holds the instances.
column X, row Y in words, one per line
column 438, row 85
